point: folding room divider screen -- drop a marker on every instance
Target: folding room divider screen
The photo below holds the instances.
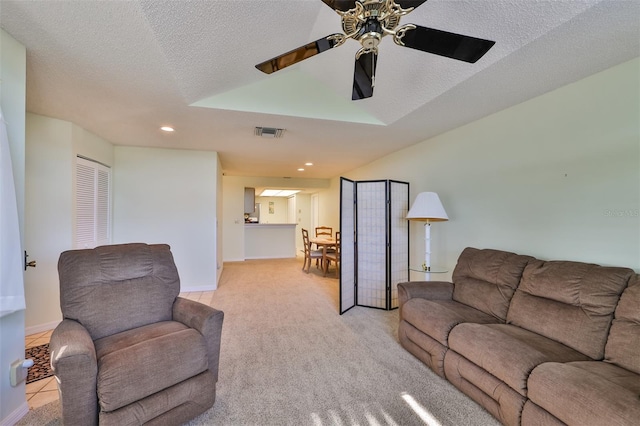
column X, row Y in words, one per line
column 374, row 235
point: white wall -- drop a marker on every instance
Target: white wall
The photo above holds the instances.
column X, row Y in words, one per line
column 556, row 177
column 51, row 149
column 13, row 404
column 169, row 196
column 49, row 219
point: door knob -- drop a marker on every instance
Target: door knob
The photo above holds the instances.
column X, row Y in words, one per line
column 30, row 263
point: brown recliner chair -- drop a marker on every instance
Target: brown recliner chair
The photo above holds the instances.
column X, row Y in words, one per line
column 129, row 351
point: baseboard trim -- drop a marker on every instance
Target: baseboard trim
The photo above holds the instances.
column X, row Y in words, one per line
column 269, row 257
column 17, row 414
column 41, row 328
column 202, row 288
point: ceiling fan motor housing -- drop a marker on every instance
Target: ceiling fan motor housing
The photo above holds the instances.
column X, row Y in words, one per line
column 371, row 34
column 371, row 20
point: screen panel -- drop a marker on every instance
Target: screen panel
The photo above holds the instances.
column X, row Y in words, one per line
column 347, row 245
column 399, row 235
column 371, row 236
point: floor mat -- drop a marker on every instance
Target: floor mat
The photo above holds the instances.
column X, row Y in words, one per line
column 41, row 362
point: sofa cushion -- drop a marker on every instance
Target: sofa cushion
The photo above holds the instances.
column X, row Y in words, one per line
column 493, row 394
column 570, row 302
column 92, row 280
column 507, row 352
column 486, row 279
column 623, row 343
column 534, row 415
column 436, row 318
column 146, row 360
column 587, row 393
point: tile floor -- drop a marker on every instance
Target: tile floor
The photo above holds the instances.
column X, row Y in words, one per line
column 44, row 391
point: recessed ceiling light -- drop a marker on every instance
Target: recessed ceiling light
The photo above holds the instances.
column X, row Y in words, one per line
column 301, row 170
column 167, row 129
column 308, row 164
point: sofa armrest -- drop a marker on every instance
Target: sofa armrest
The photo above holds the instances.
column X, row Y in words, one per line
column 205, row 319
column 73, row 361
column 432, row 290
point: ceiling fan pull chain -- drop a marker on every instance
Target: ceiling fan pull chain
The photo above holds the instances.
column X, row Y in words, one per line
column 373, row 68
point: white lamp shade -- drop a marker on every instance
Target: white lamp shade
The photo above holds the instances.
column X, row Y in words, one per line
column 427, row 207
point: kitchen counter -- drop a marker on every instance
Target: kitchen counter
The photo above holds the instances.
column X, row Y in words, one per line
column 269, row 240
column 249, row 224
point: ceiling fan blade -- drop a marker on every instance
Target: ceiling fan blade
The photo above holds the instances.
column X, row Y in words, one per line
column 364, row 75
column 344, row 5
column 405, row 4
column 443, row 43
column 341, row 5
column 299, row 54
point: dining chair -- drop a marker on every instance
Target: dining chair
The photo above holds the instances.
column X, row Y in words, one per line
column 308, row 253
column 324, row 231
column 332, row 256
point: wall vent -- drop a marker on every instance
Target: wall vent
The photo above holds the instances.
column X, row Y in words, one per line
column 269, row 132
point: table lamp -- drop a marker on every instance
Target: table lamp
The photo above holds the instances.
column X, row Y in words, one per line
column 427, row 208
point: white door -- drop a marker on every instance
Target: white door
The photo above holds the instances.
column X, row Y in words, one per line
column 291, row 210
column 315, row 213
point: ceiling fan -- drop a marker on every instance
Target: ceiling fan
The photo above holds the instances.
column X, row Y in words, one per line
column 367, row 21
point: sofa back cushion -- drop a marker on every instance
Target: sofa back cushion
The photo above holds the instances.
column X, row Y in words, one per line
column 570, row 302
column 486, row 279
column 115, row 288
column 623, row 343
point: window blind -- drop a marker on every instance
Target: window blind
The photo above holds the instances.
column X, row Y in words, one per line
column 93, row 204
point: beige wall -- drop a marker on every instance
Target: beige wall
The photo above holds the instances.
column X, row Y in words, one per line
column 556, row 177
column 233, row 207
column 279, row 214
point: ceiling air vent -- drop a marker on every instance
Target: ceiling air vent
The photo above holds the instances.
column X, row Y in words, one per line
column 269, row 132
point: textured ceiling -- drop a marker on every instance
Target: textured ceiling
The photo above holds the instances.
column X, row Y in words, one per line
column 121, row 69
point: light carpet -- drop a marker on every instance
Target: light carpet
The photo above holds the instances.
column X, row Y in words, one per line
column 289, row 358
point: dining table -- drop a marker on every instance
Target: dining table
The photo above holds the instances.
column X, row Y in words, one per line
column 324, row 244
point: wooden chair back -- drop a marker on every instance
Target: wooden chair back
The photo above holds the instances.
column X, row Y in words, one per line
column 324, row 231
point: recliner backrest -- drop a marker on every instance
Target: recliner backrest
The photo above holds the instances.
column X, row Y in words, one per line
column 486, row 279
column 115, row 288
column 623, row 343
column 569, row 302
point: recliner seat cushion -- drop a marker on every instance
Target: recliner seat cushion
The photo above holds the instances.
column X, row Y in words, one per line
column 172, row 406
column 507, row 352
column 436, row 318
column 570, row 302
column 486, row 279
column 143, row 361
column 587, row 393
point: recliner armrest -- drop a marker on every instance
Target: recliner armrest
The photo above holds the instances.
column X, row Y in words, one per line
column 205, row 319
column 73, row 360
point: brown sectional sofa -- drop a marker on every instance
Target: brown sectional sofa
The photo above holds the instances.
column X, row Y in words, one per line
column 534, row 342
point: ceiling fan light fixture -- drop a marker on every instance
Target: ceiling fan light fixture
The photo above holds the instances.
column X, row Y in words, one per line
column 269, row 132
